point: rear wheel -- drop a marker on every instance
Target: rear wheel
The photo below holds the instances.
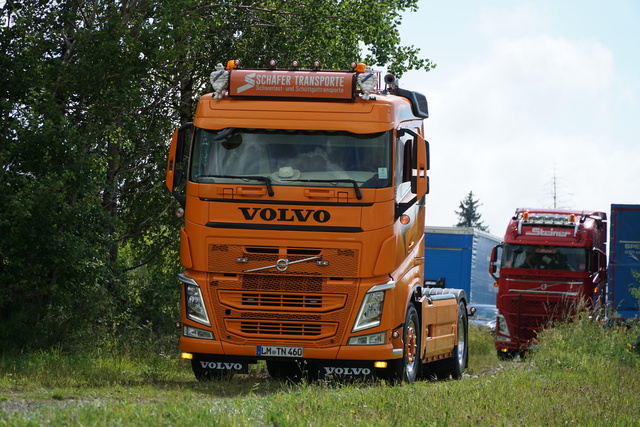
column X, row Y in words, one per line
column 461, row 352
column 455, row 365
column 407, row 368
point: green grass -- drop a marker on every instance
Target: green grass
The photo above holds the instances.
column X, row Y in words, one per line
column 582, row 374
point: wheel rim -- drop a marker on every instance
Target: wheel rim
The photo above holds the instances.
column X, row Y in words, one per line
column 411, row 347
column 462, row 333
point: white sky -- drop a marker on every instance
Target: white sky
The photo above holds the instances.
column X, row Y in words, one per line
column 523, row 88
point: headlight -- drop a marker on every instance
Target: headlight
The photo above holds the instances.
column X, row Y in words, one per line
column 194, row 302
column 502, row 330
column 370, row 311
column 373, row 339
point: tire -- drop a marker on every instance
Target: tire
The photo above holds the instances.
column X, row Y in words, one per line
column 406, row 369
column 454, row 366
column 284, row 370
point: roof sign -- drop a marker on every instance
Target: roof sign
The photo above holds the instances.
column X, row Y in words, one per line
column 292, row 84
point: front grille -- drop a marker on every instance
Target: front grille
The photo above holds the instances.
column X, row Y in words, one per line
column 271, row 329
column 528, row 314
column 240, row 259
column 277, row 301
column 281, row 283
column 282, row 309
column 536, row 306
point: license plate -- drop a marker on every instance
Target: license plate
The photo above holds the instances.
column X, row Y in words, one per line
column 277, row 351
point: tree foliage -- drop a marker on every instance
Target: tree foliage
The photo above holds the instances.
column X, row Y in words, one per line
column 89, row 94
column 468, row 215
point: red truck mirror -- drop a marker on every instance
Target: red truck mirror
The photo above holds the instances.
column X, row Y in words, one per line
column 493, row 262
column 600, row 273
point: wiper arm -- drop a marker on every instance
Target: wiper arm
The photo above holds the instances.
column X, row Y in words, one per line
column 266, row 179
column 349, row 181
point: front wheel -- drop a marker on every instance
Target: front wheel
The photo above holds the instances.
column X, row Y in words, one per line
column 407, row 368
column 286, row 371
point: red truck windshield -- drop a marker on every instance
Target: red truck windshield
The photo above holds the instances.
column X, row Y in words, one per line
column 292, row 157
column 545, row 257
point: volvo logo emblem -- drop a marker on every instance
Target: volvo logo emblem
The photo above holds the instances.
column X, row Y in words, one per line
column 282, row 264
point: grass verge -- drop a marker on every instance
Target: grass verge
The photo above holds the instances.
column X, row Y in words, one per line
column 582, row 374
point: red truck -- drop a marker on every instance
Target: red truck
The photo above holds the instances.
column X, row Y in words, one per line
column 552, row 264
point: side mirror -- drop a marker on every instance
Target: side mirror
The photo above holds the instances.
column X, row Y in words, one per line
column 601, row 271
column 176, row 158
column 600, row 274
column 493, row 262
column 597, row 277
column 420, row 162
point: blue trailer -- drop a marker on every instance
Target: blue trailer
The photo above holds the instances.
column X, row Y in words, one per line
column 459, row 257
column 624, row 261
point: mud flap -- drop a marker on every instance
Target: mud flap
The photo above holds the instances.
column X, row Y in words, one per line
column 221, row 367
column 345, row 370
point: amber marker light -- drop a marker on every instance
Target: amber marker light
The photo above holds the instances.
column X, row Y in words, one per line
column 405, row 219
column 380, row 364
column 187, row 356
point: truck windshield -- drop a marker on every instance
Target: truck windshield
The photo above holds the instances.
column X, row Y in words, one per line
column 545, row 257
column 302, row 158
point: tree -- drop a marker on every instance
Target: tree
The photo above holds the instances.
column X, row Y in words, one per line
column 89, row 94
column 468, row 215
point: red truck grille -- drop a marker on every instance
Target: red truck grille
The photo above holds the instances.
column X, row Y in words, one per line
column 528, row 314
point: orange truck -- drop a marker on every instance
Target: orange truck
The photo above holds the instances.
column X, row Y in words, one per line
column 303, row 198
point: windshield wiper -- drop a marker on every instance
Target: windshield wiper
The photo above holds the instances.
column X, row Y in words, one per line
column 266, row 179
column 349, row 181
